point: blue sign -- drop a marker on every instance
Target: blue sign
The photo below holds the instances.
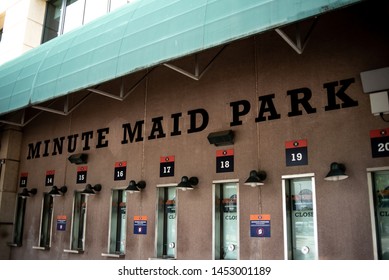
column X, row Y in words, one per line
column 61, row 223
column 259, row 225
column 140, row 225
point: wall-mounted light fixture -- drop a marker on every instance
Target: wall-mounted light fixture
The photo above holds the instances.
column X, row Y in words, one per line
column 337, row 172
column 89, row 190
column 55, row 191
column 256, row 178
column 134, row 187
column 26, row 193
column 78, row 158
column 221, row 138
column 187, row 183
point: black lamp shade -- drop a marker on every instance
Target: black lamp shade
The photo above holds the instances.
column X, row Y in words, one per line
column 135, row 187
column 187, row 183
column 58, row 192
column 89, row 190
column 337, row 172
column 26, row 193
column 255, row 178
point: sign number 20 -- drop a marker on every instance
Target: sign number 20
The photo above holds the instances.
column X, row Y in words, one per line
column 383, row 147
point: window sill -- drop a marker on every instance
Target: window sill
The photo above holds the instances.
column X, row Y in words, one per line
column 163, row 258
column 73, row 251
column 112, row 255
column 40, row 248
column 14, row 245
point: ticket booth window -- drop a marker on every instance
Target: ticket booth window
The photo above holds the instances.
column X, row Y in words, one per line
column 225, row 222
column 166, row 222
column 17, row 239
column 117, row 231
column 46, row 221
column 380, row 190
column 77, row 238
column 300, row 232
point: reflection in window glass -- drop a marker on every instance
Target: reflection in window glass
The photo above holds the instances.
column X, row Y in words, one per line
column 381, row 199
column 46, row 221
column 117, row 238
column 166, row 223
column 74, row 14
column 95, row 9
column 117, row 3
column 19, row 221
column 65, row 15
column 226, row 222
column 77, row 238
column 52, row 22
column 300, row 216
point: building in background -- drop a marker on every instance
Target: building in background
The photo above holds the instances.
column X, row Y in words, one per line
column 198, row 130
column 25, row 24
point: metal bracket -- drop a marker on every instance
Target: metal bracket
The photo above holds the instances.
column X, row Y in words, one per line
column 122, row 96
column 299, row 45
column 23, row 121
column 66, row 111
column 197, row 75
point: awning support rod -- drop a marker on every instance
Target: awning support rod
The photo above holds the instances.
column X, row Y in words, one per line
column 22, row 119
column 121, row 97
column 197, row 75
column 66, row 110
column 299, row 45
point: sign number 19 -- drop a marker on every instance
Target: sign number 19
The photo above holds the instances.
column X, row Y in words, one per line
column 296, row 156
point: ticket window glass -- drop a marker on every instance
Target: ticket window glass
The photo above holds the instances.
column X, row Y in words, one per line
column 46, row 221
column 117, row 232
column 17, row 239
column 225, row 219
column 380, row 181
column 166, row 222
column 299, row 219
column 77, row 238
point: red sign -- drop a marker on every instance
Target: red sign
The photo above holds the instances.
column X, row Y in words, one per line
column 379, row 139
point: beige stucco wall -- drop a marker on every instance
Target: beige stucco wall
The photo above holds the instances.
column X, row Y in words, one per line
column 9, row 155
column 343, row 44
column 23, row 22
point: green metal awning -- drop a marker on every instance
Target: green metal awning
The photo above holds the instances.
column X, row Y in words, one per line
column 137, row 36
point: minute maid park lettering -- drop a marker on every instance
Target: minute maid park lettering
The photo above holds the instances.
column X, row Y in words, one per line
column 199, row 119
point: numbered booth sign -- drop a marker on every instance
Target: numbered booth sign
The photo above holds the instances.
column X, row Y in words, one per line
column 49, row 178
column 296, row 152
column 120, row 171
column 379, row 139
column 23, row 180
column 225, row 161
column 81, row 174
column 166, row 167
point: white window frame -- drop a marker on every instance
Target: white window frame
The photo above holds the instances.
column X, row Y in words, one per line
column 20, row 211
column 41, row 222
column 285, row 218
column 370, row 171
column 214, row 183
column 108, row 254
column 73, row 251
column 157, row 234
